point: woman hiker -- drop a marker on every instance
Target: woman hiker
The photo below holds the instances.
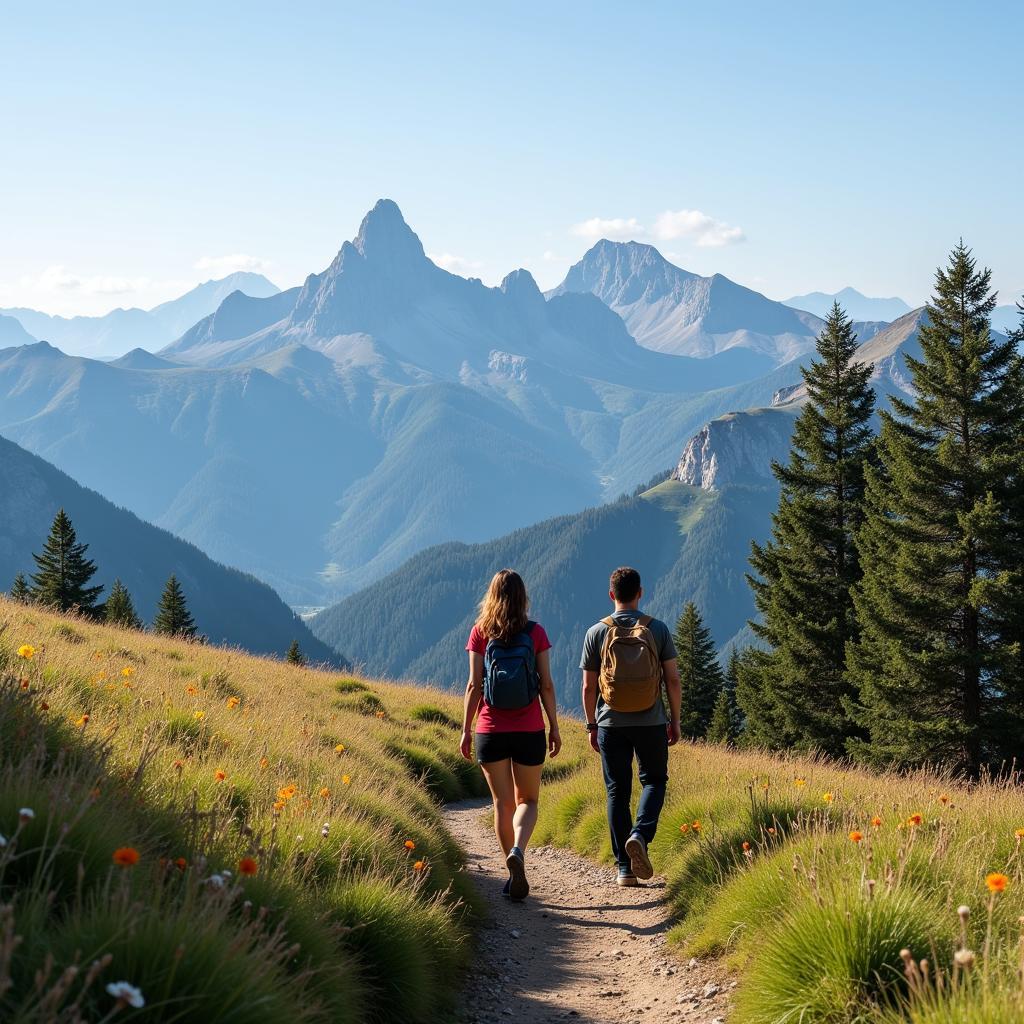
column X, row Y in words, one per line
column 509, row 680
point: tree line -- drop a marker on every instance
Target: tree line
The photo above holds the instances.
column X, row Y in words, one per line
column 63, row 582
column 891, row 591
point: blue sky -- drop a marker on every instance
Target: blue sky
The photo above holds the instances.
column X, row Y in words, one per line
column 791, row 146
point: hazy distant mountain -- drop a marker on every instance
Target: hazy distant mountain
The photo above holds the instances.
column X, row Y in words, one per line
column 671, row 310
column 229, row 606
column 12, row 333
column 321, row 436
column 1008, row 318
column 102, row 337
column 856, row 305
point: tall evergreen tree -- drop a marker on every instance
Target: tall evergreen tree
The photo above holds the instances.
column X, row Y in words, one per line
column 725, row 723
column 19, row 589
column 172, row 614
column 119, row 609
column 700, row 675
column 63, row 572
column 935, row 665
column 796, row 690
column 295, row 655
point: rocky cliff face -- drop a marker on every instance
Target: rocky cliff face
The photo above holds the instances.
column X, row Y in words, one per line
column 735, row 448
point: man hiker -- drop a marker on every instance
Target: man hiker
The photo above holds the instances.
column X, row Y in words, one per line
column 629, row 669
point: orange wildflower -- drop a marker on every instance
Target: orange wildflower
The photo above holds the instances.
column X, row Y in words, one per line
column 771, row 831
column 746, row 846
column 997, row 882
column 339, row 748
column 127, row 671
column 180, row 863
column 876, row 822
column 1019, row 834
column 419, row 865
column 220, row 775
column 915, row 820
column 944, row 798
column 325, row 792
column 191, row 690
column 828, row 797
column 346, row 780
column 248, row 866
column 27, row 652
column 684, row 828
column 287, row 792
column 409, row 844
column 696, row 826
column 278, row 806
column 264, row 762
column 855, row 836
column 233, row 702
column 82, row 721
column 126, row 856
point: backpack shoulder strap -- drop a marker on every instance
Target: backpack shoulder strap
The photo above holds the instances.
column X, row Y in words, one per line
column 608, row 620
column 644, row 620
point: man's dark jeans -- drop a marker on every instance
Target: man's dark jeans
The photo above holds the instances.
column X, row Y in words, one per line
column 618, row 745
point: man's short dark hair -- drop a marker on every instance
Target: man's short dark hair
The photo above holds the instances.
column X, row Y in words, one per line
column 624, row 584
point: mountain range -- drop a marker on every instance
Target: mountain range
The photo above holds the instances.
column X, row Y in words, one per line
column 320, row 436
column 856, row 305
column 229, row 606
column 107, row 336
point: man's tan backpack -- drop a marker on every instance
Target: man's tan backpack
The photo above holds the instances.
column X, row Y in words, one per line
column 630, row 678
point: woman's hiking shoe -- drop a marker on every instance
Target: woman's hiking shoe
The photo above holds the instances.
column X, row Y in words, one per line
column 518, row 886
column 636, row 848
column 626, row 878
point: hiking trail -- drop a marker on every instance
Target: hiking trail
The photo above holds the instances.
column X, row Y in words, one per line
column 580, row 948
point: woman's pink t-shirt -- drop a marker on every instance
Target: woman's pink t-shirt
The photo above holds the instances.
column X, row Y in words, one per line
column 528, row 719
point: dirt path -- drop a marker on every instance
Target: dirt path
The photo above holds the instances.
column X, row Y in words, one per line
column 580, row 949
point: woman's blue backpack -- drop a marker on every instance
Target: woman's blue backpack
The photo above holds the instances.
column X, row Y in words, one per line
column 511, row 679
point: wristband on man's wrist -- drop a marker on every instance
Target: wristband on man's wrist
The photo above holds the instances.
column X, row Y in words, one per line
column 591, row 726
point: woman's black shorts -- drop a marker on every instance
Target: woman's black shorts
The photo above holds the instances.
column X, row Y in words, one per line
column 526, row 748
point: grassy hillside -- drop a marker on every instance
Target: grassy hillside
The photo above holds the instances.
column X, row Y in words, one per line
column 689, row 544
column 811, row 878
column 229, row 606
column 242, row 840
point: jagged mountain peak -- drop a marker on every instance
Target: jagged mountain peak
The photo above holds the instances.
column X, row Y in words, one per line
column 384, row 234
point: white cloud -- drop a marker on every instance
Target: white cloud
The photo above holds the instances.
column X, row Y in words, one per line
column 621, row 229
column 224, row 265
column 57, row 278
column 703, row 229
column 456, row 264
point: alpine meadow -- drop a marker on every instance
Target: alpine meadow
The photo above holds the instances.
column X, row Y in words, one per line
column 512, row 514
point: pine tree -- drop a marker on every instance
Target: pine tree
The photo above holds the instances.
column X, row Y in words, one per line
column 172, row 614
column 725, row 718
column 19, row 589
column 935, row 665
column 63, row 571
column 798, row 689
column 295, row 655
column 119, row 609
column 700, row 675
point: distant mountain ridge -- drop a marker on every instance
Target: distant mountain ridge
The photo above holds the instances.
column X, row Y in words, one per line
column 103, row 337
column 229, row 606
column 856, row 305
column 668, row 309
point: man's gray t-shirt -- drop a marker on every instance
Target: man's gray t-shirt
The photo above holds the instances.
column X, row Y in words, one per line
column 591, row 662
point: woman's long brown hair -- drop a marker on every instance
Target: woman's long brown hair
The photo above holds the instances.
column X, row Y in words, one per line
column 504, row 607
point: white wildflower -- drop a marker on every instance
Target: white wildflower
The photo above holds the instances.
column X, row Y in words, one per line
column 126, row 993
column 26, row 814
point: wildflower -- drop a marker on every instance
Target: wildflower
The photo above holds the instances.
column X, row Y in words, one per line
column 26, row 651
column 43, row 706
column 771, row 831
column 943, row 798
column 287, row 792
column 233, row 702
column 220, row 775
column 178, row 765
column 180, row 863
column 1019, row 834
column 799, row 782
column 199, row 715
column 126, row 856
column 684, row 828
column 346, row 780
column 339, row 748
column 409, row 845
column 127, row 994
column 191, row 690
column 997, row 882
column 216, row 881
column 419, row 865
column 876, row 822
column 26, row 814
column 326, row 830
column 23, row 683
column 248, row 866
column 127, row 671
column 828, row 797
column 915, row 820
column 964, row 958
column 696, row 826
column 81, row 721
column 855, row 836
column 380, row 714
column 264, row 761
column 746, row 846
column 278, row 806
column 325, row 792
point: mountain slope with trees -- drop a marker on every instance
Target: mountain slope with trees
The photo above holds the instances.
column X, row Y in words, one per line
column 228, row 606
